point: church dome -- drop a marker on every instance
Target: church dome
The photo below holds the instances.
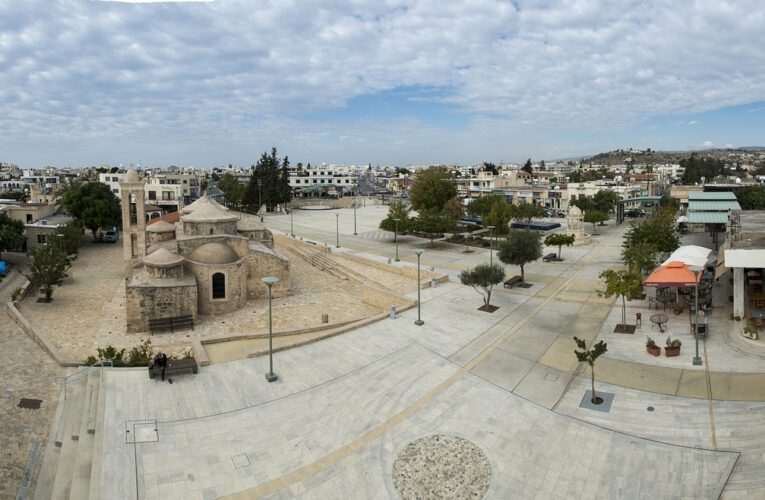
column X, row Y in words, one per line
column 200, row 202
column 162, row 258
column 210, row 213
column 214, row 253
column 161, row 227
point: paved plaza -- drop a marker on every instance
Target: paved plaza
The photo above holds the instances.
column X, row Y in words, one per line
column 508, row 382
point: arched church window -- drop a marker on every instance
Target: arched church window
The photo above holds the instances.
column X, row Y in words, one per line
column 219, row 286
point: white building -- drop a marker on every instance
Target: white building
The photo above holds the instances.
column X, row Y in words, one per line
column 343, row 178
column 113, row 181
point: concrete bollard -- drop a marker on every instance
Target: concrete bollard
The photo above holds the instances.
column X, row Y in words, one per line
column 393, row 311
column 389, row 261
column 432, row 282
column 325, row 317
column 432, row 268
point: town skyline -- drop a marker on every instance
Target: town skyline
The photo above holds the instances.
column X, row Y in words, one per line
column 206, row 83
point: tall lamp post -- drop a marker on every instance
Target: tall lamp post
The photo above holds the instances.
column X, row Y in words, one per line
column 697, row 270
column 270, row 376
column 491, row 243
column 292, row 227
column 396, row 237
column 60, row 239
column 337, row 225
column 419, row 321
column 354, row 216
column 260, row 203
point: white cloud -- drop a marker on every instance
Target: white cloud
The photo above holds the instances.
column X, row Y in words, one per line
column 692, row 122
column 707, row 144
column 91, row 73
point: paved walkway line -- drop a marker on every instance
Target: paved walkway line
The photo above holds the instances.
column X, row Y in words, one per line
column 308, row 470
column 709, row 396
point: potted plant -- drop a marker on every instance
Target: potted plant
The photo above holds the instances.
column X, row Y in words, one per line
column 678, row 307
column 731, row 316
column 652, row 348
column 738, row 318
column 16, row 294
column 751, row 333
column 672, row 348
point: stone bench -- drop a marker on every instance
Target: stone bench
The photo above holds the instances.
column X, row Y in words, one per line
column 515, row 280
column 549, row 257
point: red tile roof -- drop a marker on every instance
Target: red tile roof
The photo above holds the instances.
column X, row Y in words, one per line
column 170, row 218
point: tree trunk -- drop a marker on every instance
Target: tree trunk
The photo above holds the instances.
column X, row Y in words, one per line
column 488, row 297
column 48, row 292
column 523, row 278
column 592, row 369
column 559, row 247
column 624, row 311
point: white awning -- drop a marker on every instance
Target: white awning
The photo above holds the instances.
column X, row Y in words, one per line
column 690, row 254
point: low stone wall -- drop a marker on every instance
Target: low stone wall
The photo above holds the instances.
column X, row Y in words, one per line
column 406, row 271
column 40, row 338
column 160, row 300
column 261, row 261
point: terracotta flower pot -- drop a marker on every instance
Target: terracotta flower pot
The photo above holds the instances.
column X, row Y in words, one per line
column 655, row 350
column 672, row 351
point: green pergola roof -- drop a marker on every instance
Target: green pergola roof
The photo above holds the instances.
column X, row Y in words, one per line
column 711, row 196
column 708, row 217
column 316, row 187
column 713, row 206
column 639, row 198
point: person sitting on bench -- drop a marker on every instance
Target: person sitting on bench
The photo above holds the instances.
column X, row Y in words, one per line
column 161, row 361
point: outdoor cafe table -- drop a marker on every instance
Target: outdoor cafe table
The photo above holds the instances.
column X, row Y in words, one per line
column 659, row 320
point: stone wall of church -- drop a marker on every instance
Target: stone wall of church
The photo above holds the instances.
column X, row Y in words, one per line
column 263, row 236
column 163, row 272
column 147, row 302
column 152, row 238
column 262, row 262
column 208, row 228
column 235, row 282
column 238, row 244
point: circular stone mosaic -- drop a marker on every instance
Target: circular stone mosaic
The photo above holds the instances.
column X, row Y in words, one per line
column 440, row 466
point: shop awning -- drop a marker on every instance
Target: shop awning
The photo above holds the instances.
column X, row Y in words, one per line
column 711, row 195
column 674, row 274
column 708, row 217
column 713, row 206
column 693, row 255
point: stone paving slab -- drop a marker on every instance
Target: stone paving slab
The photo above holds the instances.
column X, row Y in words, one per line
column 533, row 453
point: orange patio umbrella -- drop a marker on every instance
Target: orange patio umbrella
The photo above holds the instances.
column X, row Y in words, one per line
column 674, row 274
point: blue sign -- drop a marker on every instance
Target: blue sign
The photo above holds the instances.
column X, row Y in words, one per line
column 2, row 268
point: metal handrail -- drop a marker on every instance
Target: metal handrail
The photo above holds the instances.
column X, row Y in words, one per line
column 83, row 372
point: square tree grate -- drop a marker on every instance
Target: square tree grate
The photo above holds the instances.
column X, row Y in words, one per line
column 30, row 404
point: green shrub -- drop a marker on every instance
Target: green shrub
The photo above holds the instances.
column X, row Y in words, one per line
column 140, row 355
column 485, row 243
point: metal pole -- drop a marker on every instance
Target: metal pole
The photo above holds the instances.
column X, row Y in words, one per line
column 491, row 245
column 396, row 238
column 354, row 217
column 292, row 228
column 270, row 376
column 696, row 271
column 260, row 203
column 419, row 321
column 337, row 219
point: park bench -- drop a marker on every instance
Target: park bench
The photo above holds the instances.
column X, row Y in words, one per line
column 515, row 280
column 174, row 366
column 549, row 257
column 171, row 323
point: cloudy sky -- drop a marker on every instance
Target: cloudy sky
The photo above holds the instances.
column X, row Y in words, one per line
column 386, row 82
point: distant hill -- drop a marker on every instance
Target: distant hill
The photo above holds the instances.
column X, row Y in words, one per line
column 622, row 156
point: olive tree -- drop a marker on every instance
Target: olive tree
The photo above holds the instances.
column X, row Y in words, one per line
column 521, row 247
column 482, row 278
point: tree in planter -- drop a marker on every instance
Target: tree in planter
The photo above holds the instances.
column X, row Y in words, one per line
column 521, row 247
column 641, row 256
column 454, row 209
column 432, row 222
column 527, row 211
column 605, row 201
column 482, row 278
column 499, row 216
column 558, row 240
column 397, row 210
column 71, row 239
column 11, row 233
column 589, row 356
column 47, row 268
column 595, row 216
column 621, row 283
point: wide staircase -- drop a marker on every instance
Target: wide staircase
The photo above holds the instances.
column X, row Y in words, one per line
column 72, row 462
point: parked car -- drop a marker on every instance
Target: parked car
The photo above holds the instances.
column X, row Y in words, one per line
column 111, row 236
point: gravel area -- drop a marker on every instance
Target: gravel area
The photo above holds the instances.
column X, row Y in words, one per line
column 441, row 466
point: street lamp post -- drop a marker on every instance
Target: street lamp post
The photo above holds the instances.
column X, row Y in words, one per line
column 270, row 376
column 337, row 225
column 419, row 321
column 354, row 216
column 697, row 270
column 260, row 203
column 396, row 237
column 491, row 243
column 60, row 239
column 292, row 227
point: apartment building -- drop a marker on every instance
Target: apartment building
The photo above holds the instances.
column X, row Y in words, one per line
column 343, row 179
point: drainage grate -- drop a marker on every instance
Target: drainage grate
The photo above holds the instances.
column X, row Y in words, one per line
column 26, row 479
column 30, row 404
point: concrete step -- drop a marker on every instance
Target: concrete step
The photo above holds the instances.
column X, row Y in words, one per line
column 43, row 488
column 80, row 404
column 68, row 449
column 93, row 404
column 80, row 484
column 98, row 440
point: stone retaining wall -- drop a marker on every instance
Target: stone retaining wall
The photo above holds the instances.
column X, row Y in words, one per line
column 40, row 338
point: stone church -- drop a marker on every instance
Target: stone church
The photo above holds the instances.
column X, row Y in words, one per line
column 210, row 262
